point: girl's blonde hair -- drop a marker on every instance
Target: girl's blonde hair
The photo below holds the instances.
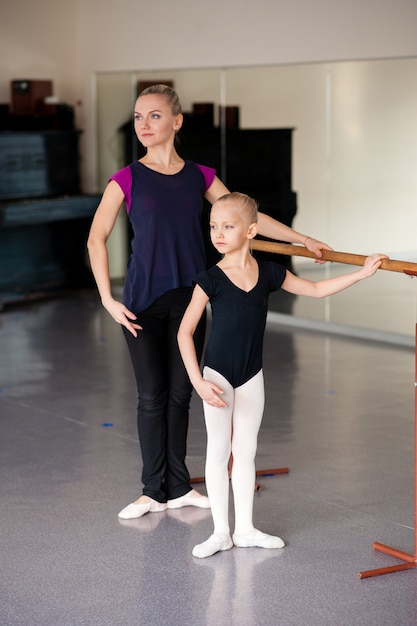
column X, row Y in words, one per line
column 168, row 92
column 247, row 205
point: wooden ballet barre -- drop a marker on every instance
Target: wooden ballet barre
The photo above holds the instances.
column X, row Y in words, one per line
column 290, row 249
column 262, row 473
column 409, row 560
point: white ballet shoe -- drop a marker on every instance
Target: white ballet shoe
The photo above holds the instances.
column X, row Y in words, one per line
column 257, row 539
column 131, row 511
column 192, row 498
column 214, row 544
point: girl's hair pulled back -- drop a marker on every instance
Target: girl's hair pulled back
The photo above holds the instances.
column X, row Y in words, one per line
column 247, row 205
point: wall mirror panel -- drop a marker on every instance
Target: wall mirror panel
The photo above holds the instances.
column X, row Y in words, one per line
column 352, row 128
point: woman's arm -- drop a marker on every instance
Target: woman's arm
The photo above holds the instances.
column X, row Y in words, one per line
column 208, row 391
column 216, row 190
column 268, row 226
column 322, row 288
column 101, row 228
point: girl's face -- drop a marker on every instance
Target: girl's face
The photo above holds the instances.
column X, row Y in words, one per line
column 229, row 230
column 155, row 124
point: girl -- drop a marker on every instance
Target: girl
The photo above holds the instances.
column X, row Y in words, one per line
column 164, row 196
column 231, row 386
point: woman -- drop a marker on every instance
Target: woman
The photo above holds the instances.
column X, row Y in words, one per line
column 163, row 195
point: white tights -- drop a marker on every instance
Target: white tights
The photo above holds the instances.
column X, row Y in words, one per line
column 233, row 429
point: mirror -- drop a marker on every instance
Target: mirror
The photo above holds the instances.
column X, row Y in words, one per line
column 353, row 156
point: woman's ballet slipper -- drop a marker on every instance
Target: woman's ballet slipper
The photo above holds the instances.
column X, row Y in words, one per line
column 131, row 511
column 192, row 498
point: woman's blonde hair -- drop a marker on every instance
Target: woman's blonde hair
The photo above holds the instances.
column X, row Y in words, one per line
column 247, row 205
column 168, row 92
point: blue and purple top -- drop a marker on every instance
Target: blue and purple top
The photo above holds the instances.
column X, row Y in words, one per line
column 168, row 244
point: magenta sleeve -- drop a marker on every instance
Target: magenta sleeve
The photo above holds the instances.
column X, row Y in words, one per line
column 124, row 179
column 208, row 172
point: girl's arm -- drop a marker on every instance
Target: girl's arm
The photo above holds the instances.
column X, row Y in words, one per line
column 268, row 227
column 209, row 392
column 101, row 228
column 322, row 288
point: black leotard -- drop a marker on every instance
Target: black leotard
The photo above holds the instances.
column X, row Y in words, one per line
column 235, row 345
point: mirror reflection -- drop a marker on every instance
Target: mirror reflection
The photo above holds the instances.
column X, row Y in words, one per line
column 347, row 164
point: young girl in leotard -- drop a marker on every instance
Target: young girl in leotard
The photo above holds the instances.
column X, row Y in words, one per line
column 232, row 387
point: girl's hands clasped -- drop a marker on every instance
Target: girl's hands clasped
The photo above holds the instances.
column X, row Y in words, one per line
column 210, row 393
column 372, row 264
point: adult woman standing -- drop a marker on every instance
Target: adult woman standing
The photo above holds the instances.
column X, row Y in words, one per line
column 163, row 195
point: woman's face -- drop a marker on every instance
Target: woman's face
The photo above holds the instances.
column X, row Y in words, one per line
column 155, row 124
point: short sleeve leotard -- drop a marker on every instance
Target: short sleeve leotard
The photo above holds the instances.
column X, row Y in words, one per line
column 165, row 212
column 235, row 345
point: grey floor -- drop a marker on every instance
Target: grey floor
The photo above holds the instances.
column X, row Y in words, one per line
column 339, row 415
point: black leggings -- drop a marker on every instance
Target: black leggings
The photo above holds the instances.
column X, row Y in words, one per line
column 164, row 392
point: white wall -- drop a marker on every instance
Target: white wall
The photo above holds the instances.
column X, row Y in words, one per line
column 38, row 40
column 133, row 34
column 354, row 147
column 69, row 42
column 72, row 42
